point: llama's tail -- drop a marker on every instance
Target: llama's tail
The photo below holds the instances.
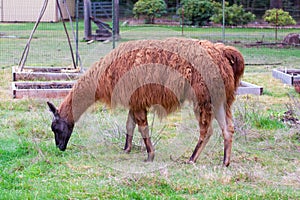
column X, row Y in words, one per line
column 236, row 61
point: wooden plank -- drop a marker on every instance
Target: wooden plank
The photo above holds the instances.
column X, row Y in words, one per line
column 46, row 74
column 102, row 9
column 249, row 88
column 41, row 89
column 44, row 84
column 45, row 69
column 41, row 94
column 297, row 71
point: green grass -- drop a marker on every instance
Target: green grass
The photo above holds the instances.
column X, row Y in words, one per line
column 265, row 157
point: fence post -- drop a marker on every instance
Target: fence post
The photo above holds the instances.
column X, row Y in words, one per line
column 115, row 21
column 223, row 21
column 87, row 21
column 77, row 22
column 182, row 20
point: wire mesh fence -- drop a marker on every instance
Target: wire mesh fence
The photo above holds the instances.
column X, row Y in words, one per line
column 49, row 46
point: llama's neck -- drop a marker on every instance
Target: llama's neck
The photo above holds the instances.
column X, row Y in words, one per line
column 65, row 109
column 81, row 97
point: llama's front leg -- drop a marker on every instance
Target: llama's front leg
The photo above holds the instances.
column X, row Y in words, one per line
column 130, row 126
column 144, row 130
column 141, row 119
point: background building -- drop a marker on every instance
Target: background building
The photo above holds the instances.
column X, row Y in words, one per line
column 28, row 11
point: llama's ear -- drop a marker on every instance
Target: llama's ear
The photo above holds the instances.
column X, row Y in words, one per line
column 52, row 108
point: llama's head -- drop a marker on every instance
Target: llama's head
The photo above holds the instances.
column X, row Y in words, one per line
column 61, row 127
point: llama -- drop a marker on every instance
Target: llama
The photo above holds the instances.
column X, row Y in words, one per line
column 140, row 74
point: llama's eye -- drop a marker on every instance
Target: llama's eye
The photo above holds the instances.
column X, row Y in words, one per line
column 55, row 128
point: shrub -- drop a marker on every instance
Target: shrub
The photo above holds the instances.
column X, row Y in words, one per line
column 278, row 17
column 151, row 9
column 197, row 12
column 234, row 15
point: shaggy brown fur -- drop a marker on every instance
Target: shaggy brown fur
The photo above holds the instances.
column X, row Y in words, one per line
column 141, row 74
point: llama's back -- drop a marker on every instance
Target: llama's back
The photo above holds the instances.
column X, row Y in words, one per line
column 140, row 74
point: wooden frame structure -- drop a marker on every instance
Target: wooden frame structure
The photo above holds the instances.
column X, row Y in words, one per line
column 249, row 88
column 45, row 82
column 56, row 82
column 104, row 32
column 288, row 76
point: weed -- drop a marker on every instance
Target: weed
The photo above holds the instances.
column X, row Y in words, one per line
column 252, row 115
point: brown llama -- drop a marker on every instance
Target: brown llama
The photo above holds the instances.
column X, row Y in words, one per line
column 140, row 74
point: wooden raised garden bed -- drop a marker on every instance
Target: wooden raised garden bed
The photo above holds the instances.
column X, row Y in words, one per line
column 288, row 76
column 52, row 89
column 56, row 82
column 43, row 82
column 249, row 88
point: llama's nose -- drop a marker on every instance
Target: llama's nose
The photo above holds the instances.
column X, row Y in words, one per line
column 61, row 147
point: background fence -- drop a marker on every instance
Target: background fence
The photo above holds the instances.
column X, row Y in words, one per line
column 103, row 8
column 49, row 46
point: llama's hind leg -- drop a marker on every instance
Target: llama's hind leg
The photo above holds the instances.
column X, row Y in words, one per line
column 130, row 126
column 224, row 119
column 206, row 130
column 141, row 119
column 228, row 137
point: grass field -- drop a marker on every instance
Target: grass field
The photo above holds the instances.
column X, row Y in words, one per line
column 266, row 151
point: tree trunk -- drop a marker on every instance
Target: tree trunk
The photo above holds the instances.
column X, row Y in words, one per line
column 297, row 4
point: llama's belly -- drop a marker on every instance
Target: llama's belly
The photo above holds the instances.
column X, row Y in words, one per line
column 153, row 94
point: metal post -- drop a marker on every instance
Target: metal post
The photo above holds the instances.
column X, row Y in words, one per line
column 276, row 25
column 113, row 25
column 115, row 22
column 117, row 18
column 182, row 21
column 223, row 21
column 76, row 42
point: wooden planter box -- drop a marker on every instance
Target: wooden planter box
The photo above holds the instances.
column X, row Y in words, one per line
column 288, row 76
column 44, row 74
column 57, row 89
column 37, row 82
column 43, row 82
column 249, row 88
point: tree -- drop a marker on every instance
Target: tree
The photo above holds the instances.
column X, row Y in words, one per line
column 151, row 9
column 278, row 17
column 234, row 15
column 197, row 12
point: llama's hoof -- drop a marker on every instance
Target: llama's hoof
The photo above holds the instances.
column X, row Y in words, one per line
column 226, row 161
column 226, row 164
column 148, row 160
column 190, row 162
column 127, row 151
column 150, row 157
